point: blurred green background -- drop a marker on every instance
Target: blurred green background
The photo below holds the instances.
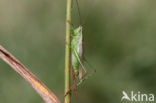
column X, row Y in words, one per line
column 120, row 38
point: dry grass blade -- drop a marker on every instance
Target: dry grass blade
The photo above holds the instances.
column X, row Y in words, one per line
column 40, row 88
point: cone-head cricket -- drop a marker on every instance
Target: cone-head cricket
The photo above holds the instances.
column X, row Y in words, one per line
column 77, row 51
column 77, row 55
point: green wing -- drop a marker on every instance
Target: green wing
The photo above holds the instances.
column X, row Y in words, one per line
column 78, row 58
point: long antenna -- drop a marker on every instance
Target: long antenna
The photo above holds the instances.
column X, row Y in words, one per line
column 87, row 14
column 78, row 11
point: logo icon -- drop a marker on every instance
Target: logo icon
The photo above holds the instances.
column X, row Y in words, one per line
column 125, row 96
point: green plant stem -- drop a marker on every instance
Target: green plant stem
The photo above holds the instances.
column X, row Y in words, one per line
column 68, row 50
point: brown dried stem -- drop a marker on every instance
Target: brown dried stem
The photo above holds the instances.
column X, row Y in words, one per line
column 40, row 88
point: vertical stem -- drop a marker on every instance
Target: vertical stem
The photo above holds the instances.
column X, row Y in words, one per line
column 68, row 50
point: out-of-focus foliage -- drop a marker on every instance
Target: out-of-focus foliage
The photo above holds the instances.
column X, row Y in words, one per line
column 119, row 42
